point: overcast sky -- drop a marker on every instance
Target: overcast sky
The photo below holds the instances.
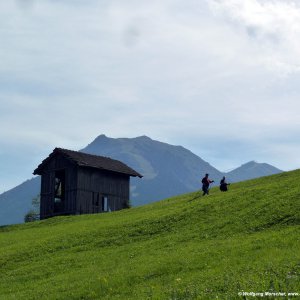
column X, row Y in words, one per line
column 219, row 77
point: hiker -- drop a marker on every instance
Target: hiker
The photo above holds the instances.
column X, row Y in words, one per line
column 223, row 185
column 205, row 184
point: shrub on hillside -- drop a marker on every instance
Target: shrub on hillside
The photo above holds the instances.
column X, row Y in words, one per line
column 34, row 212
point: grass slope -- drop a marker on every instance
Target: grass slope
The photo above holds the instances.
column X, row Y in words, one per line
column 187, row 247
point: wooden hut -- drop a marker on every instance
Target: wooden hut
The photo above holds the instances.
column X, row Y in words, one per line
column 79, row 183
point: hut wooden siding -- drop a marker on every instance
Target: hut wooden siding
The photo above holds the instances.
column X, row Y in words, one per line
column 93, row 185
column 88, row 183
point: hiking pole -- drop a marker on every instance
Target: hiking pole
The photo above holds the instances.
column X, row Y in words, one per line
column 210, row 186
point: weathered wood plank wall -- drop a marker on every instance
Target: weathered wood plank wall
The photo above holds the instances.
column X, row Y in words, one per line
column 84, row 189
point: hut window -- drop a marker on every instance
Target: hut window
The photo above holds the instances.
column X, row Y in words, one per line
column 96, row 200
column 59, row 193
column 105, row 204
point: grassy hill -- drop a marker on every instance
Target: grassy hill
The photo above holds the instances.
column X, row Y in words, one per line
column 188, row 247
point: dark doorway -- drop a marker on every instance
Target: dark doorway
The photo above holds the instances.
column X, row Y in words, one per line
column 59, row 192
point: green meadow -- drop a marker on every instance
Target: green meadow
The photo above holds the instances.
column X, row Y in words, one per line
column 246, row 240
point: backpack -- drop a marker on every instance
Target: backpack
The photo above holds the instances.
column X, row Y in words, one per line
column 223, row 187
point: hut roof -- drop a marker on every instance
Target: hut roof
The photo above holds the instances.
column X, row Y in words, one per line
column 88, row 160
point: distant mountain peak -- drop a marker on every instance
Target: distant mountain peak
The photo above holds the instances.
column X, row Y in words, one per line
column 101, row 136
column 252, row 169
column 250, row 163
column 143, row 137
column 254, row 163
column 104, row 137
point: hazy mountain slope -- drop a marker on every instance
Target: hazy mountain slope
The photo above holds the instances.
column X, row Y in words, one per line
column 186, row 247
column 15, row 203
column 251, row 170
column 168, row 170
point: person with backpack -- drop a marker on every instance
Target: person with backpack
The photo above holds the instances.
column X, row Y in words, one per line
column 205, row 184
column 223, row 185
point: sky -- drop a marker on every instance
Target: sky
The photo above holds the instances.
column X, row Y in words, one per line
column 219, row 77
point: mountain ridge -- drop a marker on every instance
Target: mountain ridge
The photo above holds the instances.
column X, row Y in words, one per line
column 251, row 170
column 161, row 164
column 168, row 170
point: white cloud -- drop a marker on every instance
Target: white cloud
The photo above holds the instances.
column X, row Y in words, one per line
column 203, row 74
column 273, row 25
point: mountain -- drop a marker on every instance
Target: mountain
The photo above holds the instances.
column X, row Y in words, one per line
column 15, row 203
column 186, row 247
column 168, row 170
column 251, row 170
